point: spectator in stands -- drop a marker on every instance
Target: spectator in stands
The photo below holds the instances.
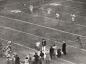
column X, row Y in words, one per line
column 38, row 45
column 43, row 44
column 38, row 53
column 51, row 52
column 54, row 46
column 8, row 48
column 55, row 49
column 42, row 55
column 9, row 45
column 17, row 59
column 30, row 60
column 9, row 59
column 36, row 58
column 9, row 42
column 64, row 48
column 26, row 60
column 58, row 52
column 13, row 57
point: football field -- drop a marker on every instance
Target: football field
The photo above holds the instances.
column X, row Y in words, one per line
column 24, row 28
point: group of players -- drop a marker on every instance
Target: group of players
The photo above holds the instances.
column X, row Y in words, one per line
column 49, row 10
column 10, row 55
column 47, row 54
column 43, row 53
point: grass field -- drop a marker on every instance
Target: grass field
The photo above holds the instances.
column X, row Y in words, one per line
column 26, row 29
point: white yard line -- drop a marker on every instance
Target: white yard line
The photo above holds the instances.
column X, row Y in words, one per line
column 80, row 25
column 37, row 36
column 73, row 1
column 22, row 32
column 78, row 2
column 20, row 45
column 36, row 50
column 55, row 20
column 43, row 26
column 68, row 61
column 61, row 21
column 83, row 49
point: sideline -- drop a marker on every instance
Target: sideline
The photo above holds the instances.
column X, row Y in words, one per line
column 36, row 51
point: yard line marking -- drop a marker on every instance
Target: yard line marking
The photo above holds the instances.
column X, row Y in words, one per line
column 80, row 25
column 37, row 25
column 35, row 50
column 58, row 20
column 38, row 36
column 61, row 21
column 68, row 61
column 35, row 35
column 44, row 26
column 21, row 31
column 77, row 2
column 73, row 1
column 73, row 46
column 76, row 47
column 25, row 46
column 83, row 49
column 19, row 44
column 44, row 37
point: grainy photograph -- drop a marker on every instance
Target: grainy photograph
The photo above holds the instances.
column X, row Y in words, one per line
column 42, row 31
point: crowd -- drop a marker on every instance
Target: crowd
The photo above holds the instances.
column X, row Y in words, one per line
column 43, row 53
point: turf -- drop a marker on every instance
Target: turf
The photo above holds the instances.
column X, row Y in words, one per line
column 26, row 28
